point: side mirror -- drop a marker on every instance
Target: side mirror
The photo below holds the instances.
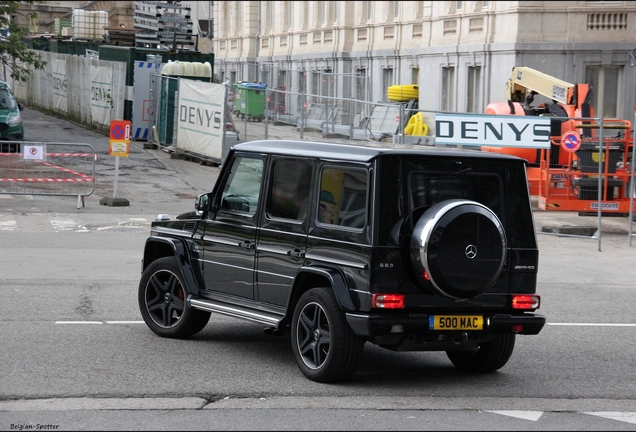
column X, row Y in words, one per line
column 20, row 106
column 202, row 202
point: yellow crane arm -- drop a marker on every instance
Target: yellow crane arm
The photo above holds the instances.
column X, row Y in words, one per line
column 524, row 80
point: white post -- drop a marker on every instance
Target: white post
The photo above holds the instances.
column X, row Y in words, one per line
column 116, row 175
column 632, row 188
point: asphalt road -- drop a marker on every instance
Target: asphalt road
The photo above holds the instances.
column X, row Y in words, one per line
column 76, row 355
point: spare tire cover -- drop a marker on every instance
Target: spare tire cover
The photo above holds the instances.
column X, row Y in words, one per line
column 461, row 246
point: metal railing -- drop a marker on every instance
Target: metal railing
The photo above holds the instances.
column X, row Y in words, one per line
column 39, row 168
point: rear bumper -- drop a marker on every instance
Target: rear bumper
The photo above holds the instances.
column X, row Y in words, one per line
column 417, row 324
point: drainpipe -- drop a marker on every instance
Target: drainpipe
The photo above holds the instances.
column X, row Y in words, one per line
column 258, row 35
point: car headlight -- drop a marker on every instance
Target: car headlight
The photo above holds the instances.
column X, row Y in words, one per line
column 14, row 121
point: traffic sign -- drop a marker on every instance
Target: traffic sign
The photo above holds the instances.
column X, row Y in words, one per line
column 571, row 141
column 120, row 130
column 119, row 148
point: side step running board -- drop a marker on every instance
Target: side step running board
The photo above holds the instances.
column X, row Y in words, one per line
column 235, row 311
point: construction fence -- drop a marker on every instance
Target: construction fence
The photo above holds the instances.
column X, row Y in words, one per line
column 56, row 169
column 564, row 173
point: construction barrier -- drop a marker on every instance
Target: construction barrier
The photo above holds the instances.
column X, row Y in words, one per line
column 39, row 168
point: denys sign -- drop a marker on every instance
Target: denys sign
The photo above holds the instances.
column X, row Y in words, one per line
column 492, row 130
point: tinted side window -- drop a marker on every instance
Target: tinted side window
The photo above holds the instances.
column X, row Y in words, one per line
column 291, row 182
column 343, row 197
column 243, row 186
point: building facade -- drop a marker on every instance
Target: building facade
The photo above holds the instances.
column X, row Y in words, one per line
column 459, row 53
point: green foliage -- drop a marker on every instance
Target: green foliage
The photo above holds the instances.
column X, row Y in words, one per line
column 15, row 55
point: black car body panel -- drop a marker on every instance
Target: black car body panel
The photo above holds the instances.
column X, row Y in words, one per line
column 289, row 217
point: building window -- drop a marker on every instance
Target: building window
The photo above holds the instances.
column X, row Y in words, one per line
column 415, row 76
column 387, row 81
column 302, row 88
column 396, row 9
column 419, row 9
column 324, row 11
column 288, row 14
column 269, row 25
column 327, row 85
column 473, row 100
column 605, row 82
column 459, row 5
column 369, row 10
column 450, row 26
column 315, row 82
column 448, row 89
column 361, row 84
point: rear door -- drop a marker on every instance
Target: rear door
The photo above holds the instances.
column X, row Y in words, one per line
column 282, row 240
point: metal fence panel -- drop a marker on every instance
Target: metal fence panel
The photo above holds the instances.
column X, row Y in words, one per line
column 46, row 168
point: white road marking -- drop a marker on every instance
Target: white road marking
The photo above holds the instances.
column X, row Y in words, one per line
column 62, row 224
column 125, row 322
column 628, row 417
column 8, row 225
column 524, row 415
column 78, row 322
column 99, row 322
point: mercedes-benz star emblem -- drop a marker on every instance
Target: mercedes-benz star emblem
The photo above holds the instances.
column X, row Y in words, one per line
column 471, row 251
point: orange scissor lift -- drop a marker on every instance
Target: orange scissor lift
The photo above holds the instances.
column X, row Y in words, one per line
column 572, row 183
column 566, row 176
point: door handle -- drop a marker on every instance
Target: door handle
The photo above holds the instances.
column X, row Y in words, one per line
column 296, row 254
column 246, row 244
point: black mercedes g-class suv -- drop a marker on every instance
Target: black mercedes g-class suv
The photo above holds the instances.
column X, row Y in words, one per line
column 411, row 248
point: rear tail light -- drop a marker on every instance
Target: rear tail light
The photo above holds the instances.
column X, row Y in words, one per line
column 525, row 301
column 387, row 301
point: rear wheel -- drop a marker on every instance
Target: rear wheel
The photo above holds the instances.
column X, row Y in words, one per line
column 162, row 301
column 488, row 357
column 325, row 347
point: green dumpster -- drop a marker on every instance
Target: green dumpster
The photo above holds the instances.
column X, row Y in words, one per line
column 250, row 100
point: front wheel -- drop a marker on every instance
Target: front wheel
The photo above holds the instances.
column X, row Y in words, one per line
column 488, row 357
column 325, row 347
column 162, row 301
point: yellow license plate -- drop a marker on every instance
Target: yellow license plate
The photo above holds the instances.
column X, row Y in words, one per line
column 455, row 322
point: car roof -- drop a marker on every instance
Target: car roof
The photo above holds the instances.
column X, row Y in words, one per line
column 358, row 153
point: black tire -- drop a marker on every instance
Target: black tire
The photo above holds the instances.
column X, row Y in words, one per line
column 162, row 301
column 325, row 347
column 488, row 357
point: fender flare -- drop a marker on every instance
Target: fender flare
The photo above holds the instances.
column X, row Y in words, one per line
column 179, row 251
column 338, row 283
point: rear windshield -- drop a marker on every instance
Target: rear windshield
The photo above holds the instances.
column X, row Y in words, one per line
column 427, row 189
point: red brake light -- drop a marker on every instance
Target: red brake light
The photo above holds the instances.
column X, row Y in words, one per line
column 387, row 301
column 426, row 276
column 525, row 301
